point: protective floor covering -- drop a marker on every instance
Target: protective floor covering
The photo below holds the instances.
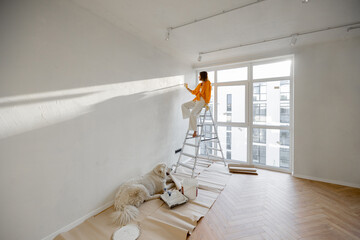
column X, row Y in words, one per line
column 156, row 220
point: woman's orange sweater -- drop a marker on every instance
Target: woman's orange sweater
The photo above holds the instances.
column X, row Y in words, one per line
column 203, row 91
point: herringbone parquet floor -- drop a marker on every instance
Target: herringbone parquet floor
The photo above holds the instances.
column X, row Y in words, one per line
column 277, row 206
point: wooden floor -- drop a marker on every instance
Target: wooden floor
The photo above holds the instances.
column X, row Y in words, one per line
column 277, row 206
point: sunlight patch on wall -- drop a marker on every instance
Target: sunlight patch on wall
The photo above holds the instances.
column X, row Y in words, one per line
column 24, row 113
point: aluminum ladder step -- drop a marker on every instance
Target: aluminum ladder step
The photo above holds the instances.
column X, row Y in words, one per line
column 185, row 165
column 205, row 119
column 205, row 124
column 191, row 145
column 210, row 139
column 212, row 133
column 214, row 156
column 188, row 155
column 216, row 149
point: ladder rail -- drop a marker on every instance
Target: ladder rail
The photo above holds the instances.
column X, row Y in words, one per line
column 198, row 143
column 216, row 133
column 198, row 140
column 181, row 152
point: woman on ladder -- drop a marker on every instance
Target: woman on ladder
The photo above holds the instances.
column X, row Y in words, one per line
column 203, row 95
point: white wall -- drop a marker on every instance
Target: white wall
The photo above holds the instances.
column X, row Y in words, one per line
column 75, row 121
column 327, row 112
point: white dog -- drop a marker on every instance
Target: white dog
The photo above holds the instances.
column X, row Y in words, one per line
column 134, row 192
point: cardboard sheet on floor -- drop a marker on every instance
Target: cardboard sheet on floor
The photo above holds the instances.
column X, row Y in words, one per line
column 152, row 228
column 156, row 220
column 205, row 198
column 214, row 177
column 218, row 168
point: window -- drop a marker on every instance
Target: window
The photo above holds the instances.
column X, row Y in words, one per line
column 265, row 113
column 233, row 74
column 271, row 103
column 231, row 103
column 234, row 140
column 272, row 70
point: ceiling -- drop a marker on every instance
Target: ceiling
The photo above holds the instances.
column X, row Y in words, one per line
column 149, row 20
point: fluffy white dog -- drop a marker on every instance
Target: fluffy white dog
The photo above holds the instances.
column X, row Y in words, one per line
column 134, row 192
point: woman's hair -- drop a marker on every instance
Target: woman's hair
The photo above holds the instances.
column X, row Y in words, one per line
column 203, row 76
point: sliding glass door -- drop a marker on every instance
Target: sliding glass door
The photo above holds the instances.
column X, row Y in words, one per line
column 252, row 106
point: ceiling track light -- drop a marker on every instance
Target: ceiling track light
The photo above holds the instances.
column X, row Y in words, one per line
column 293, row 39
column 199, row 58
column 168, row 34
column 211, row 16
column 352, row 28
column 292, row 36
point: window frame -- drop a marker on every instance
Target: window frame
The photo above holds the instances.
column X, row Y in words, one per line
column 248, row 123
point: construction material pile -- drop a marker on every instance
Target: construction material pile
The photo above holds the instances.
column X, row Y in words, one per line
column 242, row 168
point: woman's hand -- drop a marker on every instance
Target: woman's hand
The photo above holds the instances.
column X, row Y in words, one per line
column 187, row 87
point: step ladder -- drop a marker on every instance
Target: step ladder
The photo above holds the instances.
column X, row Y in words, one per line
column 202, row 139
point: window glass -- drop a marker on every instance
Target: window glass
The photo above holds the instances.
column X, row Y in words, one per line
column 231, row 103
column 271, row 147
column 271, row 103
column 272, row 70
column 231, row 75
column 234, row 142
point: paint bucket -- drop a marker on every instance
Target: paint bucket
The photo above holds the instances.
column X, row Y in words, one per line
column 190, row 188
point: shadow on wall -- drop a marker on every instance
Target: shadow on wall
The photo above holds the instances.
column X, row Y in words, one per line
column 24, row 113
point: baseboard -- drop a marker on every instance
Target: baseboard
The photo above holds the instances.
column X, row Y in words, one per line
column 79, row 221
column 354, row 185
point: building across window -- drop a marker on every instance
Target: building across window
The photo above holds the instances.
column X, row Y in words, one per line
column 259, row 92
column 284, row 158
column 259, row 135
column 284, row 112
column 259, row 154
column 228, row 155
column 285, row 137
column 285, row 90
column 259, row 112
column 228, row 140
column 208, row 144
column 228, row 102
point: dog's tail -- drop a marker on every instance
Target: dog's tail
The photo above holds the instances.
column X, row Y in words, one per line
column 125, row 214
